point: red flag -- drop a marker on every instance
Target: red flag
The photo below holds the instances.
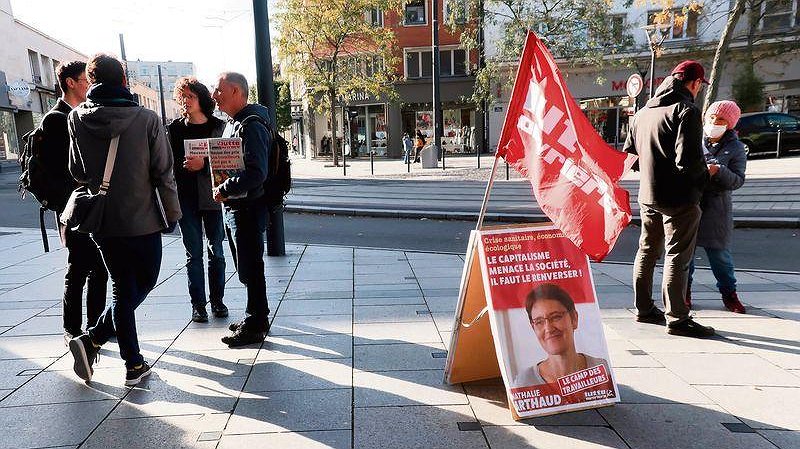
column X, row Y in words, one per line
column 573, row 171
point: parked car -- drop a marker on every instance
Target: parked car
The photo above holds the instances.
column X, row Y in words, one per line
column 758, row 131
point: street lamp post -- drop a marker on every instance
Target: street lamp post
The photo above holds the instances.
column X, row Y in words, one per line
column 276, row 245
column 656, row 33
column 437, row 99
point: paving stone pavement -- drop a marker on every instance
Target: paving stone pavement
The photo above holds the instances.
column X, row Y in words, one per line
column 355, row 361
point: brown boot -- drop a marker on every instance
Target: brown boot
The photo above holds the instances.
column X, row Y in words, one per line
column 732, row 303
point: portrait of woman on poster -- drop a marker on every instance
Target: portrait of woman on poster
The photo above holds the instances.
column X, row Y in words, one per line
column 554, row 319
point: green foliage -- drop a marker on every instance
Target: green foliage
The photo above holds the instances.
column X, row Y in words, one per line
column 581, row 32
column 748, row 91
column 283, row 100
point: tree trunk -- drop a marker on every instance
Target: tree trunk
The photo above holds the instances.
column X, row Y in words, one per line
column 334, row 149
column 721, row 55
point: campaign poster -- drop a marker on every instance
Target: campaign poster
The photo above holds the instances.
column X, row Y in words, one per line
column 545, row 321
column 226, row 159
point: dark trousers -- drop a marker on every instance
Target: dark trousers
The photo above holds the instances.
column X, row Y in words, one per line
column 84, row 266
column 133, row 263
column 721, row 263
column 673, row 229
column 246, row 228
column 192, row 224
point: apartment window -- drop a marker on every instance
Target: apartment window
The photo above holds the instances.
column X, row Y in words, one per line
column 374, row 17
column 683, row 26
column 36, row 67
column 452, row 62
column 617, row 28
column 415, row 13
column 374, row 64
column 778, row 14
column 47, row 72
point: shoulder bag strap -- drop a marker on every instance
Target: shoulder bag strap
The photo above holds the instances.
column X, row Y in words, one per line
column 112, row 156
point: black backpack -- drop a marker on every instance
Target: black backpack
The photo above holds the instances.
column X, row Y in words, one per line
column 279, row 181
column 46, row 186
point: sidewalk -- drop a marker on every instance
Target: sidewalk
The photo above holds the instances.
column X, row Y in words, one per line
column 769, row 198
column 355, row 360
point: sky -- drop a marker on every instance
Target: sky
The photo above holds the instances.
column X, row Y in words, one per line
column 217, row 35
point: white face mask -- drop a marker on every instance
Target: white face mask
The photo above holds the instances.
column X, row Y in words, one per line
column 714, row 131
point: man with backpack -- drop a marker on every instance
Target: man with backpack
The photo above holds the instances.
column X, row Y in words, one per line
column 84, row 262
column 246, row 215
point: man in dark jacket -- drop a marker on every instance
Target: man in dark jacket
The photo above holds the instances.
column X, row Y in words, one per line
column 141, row 202
column 667, row 136
column 83, row 260
column 246, row 216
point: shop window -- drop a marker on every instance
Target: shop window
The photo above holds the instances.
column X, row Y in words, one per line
column 36, row 67
column 374, row 17
column 778, row 14
column 682, row 26
column 415, row 13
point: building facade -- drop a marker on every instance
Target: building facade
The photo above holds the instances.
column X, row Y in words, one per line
column 601, row 92
column 146, row 73
column 28, row 84
column 378, row 125
column 150, row 99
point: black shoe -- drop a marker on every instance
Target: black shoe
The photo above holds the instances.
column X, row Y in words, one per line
column 199, row 314
column 135, row 375
column 69, row 335
column 655, row 316
column 243, row 336
column 219, row 309
column 233, row 326
column 85, row 354
column 690, row 328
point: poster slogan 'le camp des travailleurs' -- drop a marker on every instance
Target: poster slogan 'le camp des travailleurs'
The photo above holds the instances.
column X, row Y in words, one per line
column 545, row 321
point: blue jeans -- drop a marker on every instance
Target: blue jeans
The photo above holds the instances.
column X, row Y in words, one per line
column 133, row 264
column 721, row 263
column 246, row 226
column 192, row 225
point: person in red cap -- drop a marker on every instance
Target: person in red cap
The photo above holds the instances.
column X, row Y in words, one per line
column 667, row 136
column 727, row 162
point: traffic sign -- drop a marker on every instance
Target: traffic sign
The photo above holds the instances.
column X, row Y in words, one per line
column 634, row 85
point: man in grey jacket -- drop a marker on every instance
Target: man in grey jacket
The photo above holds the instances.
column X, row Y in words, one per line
column 667, row 136
column 142, row 201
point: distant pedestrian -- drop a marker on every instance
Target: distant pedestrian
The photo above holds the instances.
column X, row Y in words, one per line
column 130, row 232
column 408, row 147
column 200, row 211
column 246, row 217
column 85, row 265
column 667, row 136
column 727, row 162
column 420, row 144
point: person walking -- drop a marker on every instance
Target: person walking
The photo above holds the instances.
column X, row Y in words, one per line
column 246, row 215
column 727, row 162
column 408, row 146
column 85, row 265
column 667, row 136
column 420, row 144
column 133, row 218
column 199, row 210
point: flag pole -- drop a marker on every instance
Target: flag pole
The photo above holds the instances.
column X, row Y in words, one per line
column 486, row 195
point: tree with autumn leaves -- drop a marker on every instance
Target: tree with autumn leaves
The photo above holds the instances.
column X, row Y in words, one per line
column 336, row 51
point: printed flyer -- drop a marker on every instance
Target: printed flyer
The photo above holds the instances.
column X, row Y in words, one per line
column 545, row 321
column 195, row 148
column 226, row 159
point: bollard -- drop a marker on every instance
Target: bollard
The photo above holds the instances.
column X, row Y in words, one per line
column 507, row 172
column 344, row 161
column 408, row 163
column 478, row 152
column 372, row 162
column 778, row 145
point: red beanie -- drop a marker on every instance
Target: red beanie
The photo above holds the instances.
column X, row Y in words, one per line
column 725, row 109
